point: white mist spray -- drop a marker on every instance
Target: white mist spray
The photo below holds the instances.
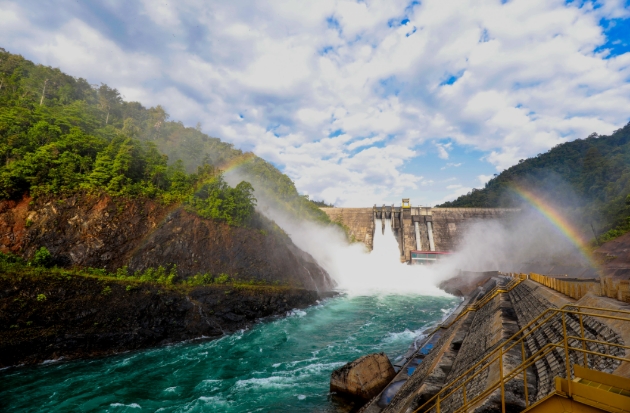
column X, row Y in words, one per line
column 487, row 245
column 356, row 270
column 381, row 270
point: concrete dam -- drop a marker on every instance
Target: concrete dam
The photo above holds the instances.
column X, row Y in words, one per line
column 417, row 229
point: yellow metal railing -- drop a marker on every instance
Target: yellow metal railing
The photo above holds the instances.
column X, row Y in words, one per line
column 456, row 389
column 573, row 288
column 516, row 280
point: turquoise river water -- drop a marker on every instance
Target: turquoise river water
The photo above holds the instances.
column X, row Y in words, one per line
column 280, row 365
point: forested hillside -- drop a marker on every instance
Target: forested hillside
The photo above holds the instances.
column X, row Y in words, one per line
column 588, row 178
column 60, row 134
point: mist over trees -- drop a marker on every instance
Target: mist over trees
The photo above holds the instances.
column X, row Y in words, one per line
column 588, row 178
column 60, row 134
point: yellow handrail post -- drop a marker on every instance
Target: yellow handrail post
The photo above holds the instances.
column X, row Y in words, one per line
column 566, row 352
column 583, row 337
column 501, row 378
column 524, row 373
column 437, row 409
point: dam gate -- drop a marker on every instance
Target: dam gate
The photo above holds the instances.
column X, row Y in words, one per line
column 423, row 233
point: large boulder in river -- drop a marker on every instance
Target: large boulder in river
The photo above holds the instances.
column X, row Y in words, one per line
column 364, row 378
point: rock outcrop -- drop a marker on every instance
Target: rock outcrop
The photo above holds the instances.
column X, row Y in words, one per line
column 363, row 378
column 105, row 232
column 84, row 316
column 50, row 315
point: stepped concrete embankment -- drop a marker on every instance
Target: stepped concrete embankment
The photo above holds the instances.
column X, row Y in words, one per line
column 501, row 309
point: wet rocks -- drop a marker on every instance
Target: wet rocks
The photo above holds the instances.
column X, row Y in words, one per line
column 363, row 378
column 77, row 320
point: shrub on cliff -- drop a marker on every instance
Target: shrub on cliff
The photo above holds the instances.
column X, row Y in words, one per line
column 159, row 275
column 14, row 266
column 217, row 200
column 11, row 259
column 42, row 258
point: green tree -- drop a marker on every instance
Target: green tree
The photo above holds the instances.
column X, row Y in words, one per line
column 42, row 257
column 217, row 200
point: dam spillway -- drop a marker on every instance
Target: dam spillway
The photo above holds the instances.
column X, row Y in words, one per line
column 416, row 228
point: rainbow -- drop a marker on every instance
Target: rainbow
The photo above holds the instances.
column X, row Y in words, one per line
column 236, row 162
column 555, row 218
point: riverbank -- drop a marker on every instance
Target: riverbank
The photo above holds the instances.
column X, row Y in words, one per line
column 47, row 315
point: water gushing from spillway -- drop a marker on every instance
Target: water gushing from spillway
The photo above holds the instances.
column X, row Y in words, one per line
column 381, row 272
column 356, row 270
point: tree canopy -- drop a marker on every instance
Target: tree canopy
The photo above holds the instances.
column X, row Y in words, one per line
column 589, row 178
column 60, row 134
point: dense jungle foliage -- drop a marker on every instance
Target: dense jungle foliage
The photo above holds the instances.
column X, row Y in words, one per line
column 60, row 134
column 587, row 178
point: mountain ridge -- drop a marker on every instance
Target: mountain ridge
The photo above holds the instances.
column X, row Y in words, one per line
column 588, row 179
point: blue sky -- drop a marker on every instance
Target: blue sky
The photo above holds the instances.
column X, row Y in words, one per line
column 359, row 102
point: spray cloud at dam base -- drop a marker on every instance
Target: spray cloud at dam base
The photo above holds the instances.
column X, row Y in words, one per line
column 478, row 239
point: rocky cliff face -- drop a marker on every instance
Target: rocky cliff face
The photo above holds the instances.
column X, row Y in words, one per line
column 105, row 232
column 85, row 316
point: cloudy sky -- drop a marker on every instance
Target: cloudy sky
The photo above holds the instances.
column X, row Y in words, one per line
column 359, row 102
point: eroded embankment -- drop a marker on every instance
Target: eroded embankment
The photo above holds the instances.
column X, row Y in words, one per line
column 49, row 316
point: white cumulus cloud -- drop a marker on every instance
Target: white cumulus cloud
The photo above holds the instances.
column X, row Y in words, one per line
column 347, row 97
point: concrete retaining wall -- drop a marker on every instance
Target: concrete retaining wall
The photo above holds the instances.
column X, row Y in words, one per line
column 576, row 288
column 572, row 287
column 359, row 221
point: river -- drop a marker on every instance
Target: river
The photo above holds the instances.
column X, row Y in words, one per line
column 279, row 365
